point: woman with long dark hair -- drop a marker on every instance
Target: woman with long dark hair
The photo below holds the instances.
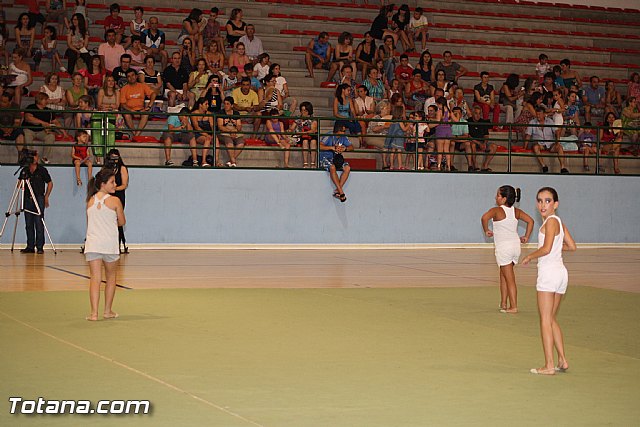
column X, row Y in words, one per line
column 77, row 42
column 105, row 214
column 122, row 182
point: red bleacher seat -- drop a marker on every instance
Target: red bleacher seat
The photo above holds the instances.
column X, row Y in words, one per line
column 144, row 138
column 254, row 142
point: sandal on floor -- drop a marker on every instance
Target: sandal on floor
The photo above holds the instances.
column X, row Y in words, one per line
column 336, row 194
column 342, row 198
column 79, row 182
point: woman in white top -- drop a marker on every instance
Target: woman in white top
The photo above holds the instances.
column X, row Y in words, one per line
column 552, row 279
column 507, row 241
column 51, row 87
column 104, row 215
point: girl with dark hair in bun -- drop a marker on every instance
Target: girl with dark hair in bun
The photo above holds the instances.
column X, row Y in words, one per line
column 104, row 215
column 507, row 241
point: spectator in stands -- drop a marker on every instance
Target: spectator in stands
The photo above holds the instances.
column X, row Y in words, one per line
column 10, row 122
column 269, row 96
column 572, row 113
column 230, row 81
column 94, row 76
column 401, row 23
column 479, row 133
column 452, row 70
column 633, row 87
column 230, row 128
column 213, row 94
column 443, row 135
column 202, row 123
column 485, row 97
column 346, row 77
column 558, row 113
column 594, row 99
column 404, row 72
column 380, row 26
column 395, row 141
column 132, row 97
column 418, row 28
column 48, row 49
column 318, row 54
column 289, row 102
column 344, row 109
column 375, row 86
column 569, row 76
column 426, row 67
column 276, row 127
column 73, row 95
column 441, row 82
column 610, row 138
column 457, row 100
column 211, row 32
column 542, row 67
column 252, row 43
column 115, row 22
column 82, row 119
column 137, row 53
column 261, row 69
column 529, row 105
column 308, row 129
column 154, row 40
column 541, row 132
column 120, row 72
column 4, row 37
column 343, row 54
column 40, row 123
column 176, row 79
column 78, row 42
column 110, row 51
column 35, row 16
column 395, row 91
column 239, row 58
column 191, row 30
column 331, row 159
column 587, row 144
column 150, row 76
column 215, row 57
column 365, row 55
column 631, row 119
column 546, row 89
column 199, row 78
column 365, row 106
column 558, row 80
column 388, row 54
column 80, row 8
column 109, row 95
column 138, row 23
column 460, row 135
column 25, row 34
column 187, row 55
column 235, row 27
column 255, row 83
column 56, row 93
column 437, row 93
column 377, row 130
column 245, row 102
column 19, row 86
column 510, row 98
column 612, row 99
column 416, row 91
column 80, row 155
column 179, row 130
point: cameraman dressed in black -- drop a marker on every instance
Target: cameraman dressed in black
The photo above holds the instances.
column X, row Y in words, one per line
column 114, row 161
column 42, row 186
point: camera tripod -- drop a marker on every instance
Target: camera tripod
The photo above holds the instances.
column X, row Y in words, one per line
column 16, row 207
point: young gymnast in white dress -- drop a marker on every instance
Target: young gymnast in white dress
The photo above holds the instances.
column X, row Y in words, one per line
column 552, row 279
column 505, row 219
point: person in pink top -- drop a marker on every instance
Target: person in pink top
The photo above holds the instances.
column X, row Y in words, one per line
column 110, row 51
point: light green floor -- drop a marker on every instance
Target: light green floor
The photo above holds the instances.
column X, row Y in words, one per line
column 324, row 357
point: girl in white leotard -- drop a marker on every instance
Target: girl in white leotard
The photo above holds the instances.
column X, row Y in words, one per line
column 507, row 241
column 552, row 279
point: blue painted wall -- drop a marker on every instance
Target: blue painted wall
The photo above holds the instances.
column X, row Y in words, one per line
column 288, row 207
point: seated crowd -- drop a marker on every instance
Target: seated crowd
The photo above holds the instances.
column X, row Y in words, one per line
column 132, row 72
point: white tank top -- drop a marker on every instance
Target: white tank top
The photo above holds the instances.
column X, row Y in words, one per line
column 102, row 228
column 506, row 231
column 555, row 256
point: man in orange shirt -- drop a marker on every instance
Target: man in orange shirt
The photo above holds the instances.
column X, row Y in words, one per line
column 132, row 97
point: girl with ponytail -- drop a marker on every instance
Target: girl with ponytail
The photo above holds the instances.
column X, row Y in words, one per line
column 104, row 215
column 507, row 241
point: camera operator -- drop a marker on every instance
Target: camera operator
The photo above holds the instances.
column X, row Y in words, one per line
column 42, row 186
column 115, row 163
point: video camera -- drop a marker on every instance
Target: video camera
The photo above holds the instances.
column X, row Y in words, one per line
column 112, row 161
column 26, row 157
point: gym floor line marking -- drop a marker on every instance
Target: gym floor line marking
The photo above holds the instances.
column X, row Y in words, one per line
column 82, row 275
column 132, row 369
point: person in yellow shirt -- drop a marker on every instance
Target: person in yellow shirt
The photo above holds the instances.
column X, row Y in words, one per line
column 246, row 102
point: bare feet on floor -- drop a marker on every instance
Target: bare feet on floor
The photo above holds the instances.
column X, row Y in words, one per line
column 110, row 315
column 509, row 310
column 543, row 371
column 92, row 317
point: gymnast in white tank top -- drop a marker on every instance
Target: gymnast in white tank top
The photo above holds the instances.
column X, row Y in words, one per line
column 507, row 242
column 104, row 215
column 552, row 279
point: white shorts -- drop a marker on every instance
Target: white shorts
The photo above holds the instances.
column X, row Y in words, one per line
column 552, row 279
column 507, row 254
column 92, row 256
